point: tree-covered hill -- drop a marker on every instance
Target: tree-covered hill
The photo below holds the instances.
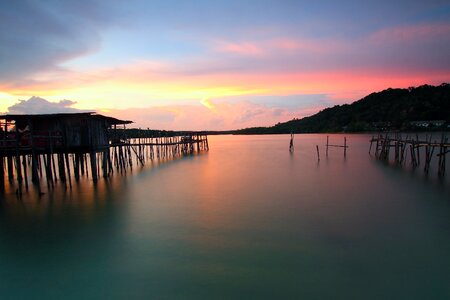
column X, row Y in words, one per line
column 391, row 109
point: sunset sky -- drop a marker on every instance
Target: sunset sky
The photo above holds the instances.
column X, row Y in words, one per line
column 211, row 64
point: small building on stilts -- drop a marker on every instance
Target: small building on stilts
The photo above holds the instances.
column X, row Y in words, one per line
column 59, row 146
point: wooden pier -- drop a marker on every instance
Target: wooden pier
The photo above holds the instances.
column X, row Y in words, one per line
column 69, row 146
column 410, row 146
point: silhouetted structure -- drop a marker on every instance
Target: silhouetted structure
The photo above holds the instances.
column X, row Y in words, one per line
column 345, row 146
column 401, row 145
column 61, row 143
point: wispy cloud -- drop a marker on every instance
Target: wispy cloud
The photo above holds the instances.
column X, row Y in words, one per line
column 242, row 48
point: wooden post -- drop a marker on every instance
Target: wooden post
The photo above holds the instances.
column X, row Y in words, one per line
column 345, row 146
column 326, row 153
column 39, row 165
column 2, row 168
column 418, row 149
column 413, row 155
column 98, row 156
column 18, row 170
column 18, row 167
column 47, row 173
column 121, row 159
column 93, row 158
column 105, row 163
column 198, row 143
column 428, row 156
column 51, row 158
column 9, row 162
column 318, row 155
column 34, row 163
column 116, row 157
column 130, row 159
column 24, row 163
column 55, row 177
column 377, row 146
column 76, row 165
column 49, row 168
column 66, row 155
column 2, row 172
column 61, row 167
column 82, row 160
column 442, row 155
column 291, row 143
column 110, row 164
column 402, row 152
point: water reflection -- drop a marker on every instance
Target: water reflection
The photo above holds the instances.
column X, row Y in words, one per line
column 246, row 220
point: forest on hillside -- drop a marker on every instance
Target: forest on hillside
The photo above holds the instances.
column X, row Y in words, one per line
column 413, row 109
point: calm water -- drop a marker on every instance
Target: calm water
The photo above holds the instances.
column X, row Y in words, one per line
column 247, row 220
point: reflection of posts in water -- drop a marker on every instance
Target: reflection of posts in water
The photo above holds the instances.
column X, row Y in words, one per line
column 2, row 175
column 58, row 164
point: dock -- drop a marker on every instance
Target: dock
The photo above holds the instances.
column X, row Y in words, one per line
column 410, row 147
column 65, row 147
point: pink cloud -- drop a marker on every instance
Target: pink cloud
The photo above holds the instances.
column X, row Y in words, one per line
column 243, row 48
column 284, row 65
column 273, row 46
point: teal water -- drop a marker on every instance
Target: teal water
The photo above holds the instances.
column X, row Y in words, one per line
column 247, row 220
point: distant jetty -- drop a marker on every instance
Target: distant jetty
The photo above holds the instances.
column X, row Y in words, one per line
column 412, row 144
column 65, row 146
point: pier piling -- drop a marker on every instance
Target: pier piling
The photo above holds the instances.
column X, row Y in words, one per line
column 57, row 148
column 400, row 145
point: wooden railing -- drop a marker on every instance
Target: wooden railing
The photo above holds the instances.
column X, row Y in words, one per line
column 35, row 139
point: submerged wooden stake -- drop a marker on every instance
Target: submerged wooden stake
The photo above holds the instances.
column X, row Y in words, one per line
column 318, row 155
column 291, row 143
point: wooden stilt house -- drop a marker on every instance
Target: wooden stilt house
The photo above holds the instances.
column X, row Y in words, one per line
column 68, row 132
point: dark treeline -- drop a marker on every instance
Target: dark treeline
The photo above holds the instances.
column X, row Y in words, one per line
column 413, row 109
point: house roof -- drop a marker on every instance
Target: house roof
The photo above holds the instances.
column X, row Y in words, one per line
column 93, row 115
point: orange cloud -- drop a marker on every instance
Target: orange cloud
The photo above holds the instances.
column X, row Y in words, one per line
column 144, row 84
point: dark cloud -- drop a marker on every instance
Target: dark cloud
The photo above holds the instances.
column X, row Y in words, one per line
column 36, row 105
column 38, row 36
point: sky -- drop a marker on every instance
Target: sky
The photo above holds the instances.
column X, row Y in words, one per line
column 214, row 65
